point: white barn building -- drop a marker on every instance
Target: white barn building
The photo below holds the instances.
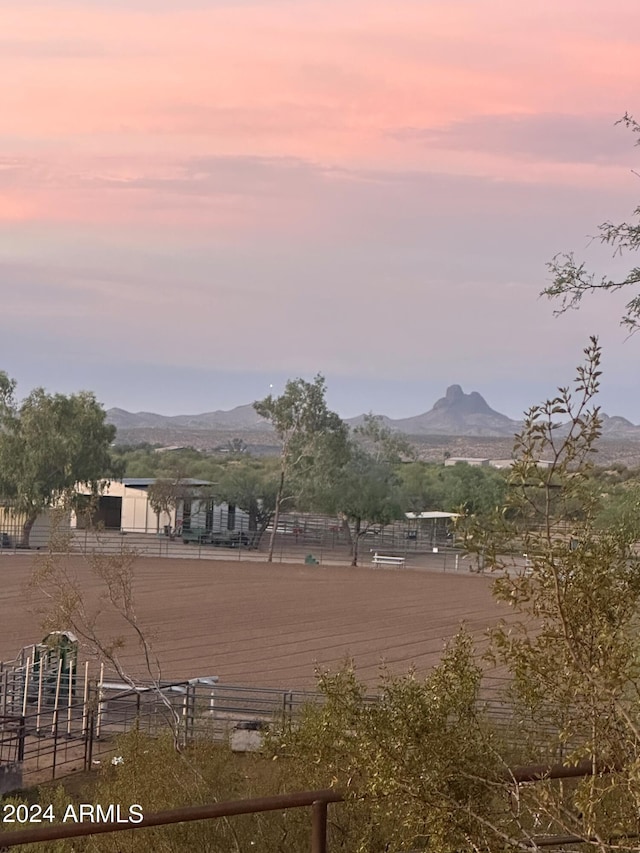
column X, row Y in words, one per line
column 124, row 505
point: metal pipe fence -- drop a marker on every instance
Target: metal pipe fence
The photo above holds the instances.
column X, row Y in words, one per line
column 77, row 730
column 318, row 801
column 46, row 739
column 301, row 537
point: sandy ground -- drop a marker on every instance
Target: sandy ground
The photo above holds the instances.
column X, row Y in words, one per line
column 269, row 625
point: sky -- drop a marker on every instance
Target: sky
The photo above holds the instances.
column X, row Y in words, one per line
column 202, row 198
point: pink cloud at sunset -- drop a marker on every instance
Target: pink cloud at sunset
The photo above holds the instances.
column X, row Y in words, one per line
column 335, row 76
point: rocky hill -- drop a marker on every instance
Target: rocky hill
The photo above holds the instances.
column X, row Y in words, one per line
column 455, row 414
column 241, row 418
column 618, row 427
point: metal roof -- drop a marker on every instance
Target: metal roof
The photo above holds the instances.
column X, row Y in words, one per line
column 142, row 482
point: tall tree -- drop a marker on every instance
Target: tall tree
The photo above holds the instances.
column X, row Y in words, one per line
column 365, row 494
column 166, row 494
column 252, row 486
column 303, row 423
column 49, row 445
column 571, row 279
column 360, row 483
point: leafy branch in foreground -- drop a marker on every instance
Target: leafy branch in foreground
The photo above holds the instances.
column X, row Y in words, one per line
column 571, row 280
column 416, row 762
column 573, row 651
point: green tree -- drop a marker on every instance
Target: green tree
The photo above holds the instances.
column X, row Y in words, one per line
column 620, row 505
column 476, row 489
column 165, row 495
column 364, row 494
column 303, row 423
column 137, row 460
column 356, row 479
column 237, row 446
column 381, row 443
column 571, row 279
column 252, row 486
column 423, row 486
column 49, row 445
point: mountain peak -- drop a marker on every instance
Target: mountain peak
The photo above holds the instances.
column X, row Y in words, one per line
column 453, row 393
column 456, row 403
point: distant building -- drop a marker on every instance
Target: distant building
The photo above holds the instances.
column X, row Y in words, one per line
column 507, row 463
column 468, row 460
column 124, row 505
column 12, row 524
column 501, row 463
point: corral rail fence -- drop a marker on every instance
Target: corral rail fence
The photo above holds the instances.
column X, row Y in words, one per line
column 57, row 732
column 316, row 538
column 52, row 732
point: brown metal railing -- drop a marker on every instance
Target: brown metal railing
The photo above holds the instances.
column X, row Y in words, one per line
column 317, row 800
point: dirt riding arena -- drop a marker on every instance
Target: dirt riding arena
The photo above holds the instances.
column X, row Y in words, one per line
column 258, row 624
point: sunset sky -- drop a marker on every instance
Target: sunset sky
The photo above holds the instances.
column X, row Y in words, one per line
column 201, row 198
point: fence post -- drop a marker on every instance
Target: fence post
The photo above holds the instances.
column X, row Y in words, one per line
column 40, row 686
column 85, row 697
column 70, row 697
column 54, row 724
column 101, row 702
column 287, row 708
column 193, row 689
column 88, row 741
column 25, row 691
column 22, row 734
column 5, row 691
column 319, row 826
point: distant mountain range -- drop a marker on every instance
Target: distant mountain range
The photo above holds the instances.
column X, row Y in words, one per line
column 241, row 418
column 455, row 414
